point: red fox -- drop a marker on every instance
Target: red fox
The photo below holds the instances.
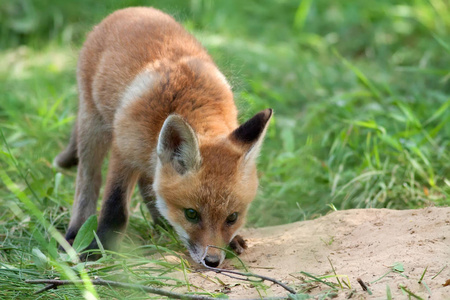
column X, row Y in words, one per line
column 149, row 91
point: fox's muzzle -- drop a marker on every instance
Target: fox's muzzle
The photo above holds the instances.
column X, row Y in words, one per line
column 212, row 260
column 210, row 256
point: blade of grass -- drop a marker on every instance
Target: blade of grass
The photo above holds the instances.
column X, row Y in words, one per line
column 388, row 293
column 334, row 271
column 360, row 75
column 302, row 13
column 409, row 293
column 423, row 274
column 318, row 279
column 439, row 272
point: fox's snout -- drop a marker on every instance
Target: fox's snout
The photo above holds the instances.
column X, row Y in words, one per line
column 212, row 261
column 211, row 255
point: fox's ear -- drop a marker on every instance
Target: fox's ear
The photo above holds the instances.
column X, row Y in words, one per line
column 251, row 134
column 178, row 145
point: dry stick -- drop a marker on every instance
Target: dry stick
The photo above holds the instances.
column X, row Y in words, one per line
column 46, row 288
column 223, row 271
column 364, row 286
column 53, row 283
column 248, row 275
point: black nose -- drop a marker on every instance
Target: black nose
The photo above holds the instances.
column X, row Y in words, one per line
column 212, row 261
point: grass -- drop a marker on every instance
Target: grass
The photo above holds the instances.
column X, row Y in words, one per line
column 324, row 288
column 360, row 93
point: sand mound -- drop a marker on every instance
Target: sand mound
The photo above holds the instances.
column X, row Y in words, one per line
column 360, row 243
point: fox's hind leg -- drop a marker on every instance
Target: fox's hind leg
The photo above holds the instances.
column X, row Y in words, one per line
column 93, row 139
column 69, row 157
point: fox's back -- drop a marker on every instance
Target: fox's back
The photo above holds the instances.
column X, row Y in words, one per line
column 122, row 45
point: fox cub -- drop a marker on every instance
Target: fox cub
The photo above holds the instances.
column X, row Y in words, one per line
column 151, row 93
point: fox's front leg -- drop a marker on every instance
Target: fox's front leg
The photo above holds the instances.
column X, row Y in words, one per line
column 113, row 216
column 148, row 195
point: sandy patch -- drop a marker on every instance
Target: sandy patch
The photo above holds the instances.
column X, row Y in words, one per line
column 359, row 243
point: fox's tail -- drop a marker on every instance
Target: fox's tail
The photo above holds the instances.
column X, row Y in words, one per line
column 69, row 157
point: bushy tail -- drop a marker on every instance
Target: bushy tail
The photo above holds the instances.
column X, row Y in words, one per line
column 69, row 157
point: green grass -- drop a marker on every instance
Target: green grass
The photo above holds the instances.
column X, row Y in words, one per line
column 361, row 98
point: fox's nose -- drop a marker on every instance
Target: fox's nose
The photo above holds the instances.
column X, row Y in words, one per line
column 212, row 260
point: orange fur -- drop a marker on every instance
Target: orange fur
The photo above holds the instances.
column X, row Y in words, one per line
column 150, row 91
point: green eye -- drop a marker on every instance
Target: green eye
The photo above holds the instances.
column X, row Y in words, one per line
column 231, row 219
column 192, row 215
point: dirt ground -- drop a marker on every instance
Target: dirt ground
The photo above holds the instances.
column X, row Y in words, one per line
column 361, row 243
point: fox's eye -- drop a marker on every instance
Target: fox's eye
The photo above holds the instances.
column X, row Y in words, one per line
column 231, row 219
column 192, row 215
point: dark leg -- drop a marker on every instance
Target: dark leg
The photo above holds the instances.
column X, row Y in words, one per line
column 145, row 187
column 113, row 217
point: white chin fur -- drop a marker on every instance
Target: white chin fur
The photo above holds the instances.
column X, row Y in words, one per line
column 164, row 211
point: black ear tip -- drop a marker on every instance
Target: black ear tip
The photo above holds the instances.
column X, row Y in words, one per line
column 268, row 113
column 250, row 131
column 265, row 115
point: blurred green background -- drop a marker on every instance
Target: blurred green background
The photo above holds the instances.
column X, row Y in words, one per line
column 360, row 91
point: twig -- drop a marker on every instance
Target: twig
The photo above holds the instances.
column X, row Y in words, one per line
column 248, row 275
column 364, row 286
column 46, row 288
column 53, row 283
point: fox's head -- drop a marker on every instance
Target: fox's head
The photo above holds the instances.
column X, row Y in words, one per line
column 204, row 187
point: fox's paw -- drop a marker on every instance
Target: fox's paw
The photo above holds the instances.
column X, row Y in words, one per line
column 91, row 253
column 89, row 256
column 238, row 244
column 70, row 237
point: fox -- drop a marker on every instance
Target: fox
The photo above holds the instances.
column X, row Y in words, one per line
column 152, row 97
